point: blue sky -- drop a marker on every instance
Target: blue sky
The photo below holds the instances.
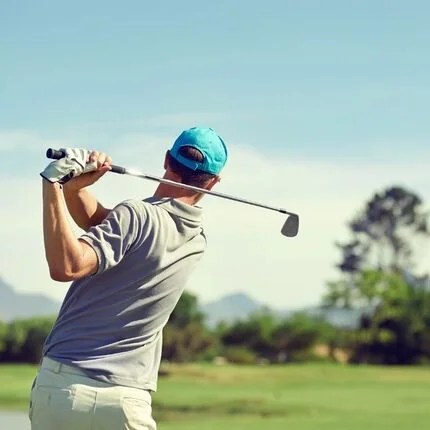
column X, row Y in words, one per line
column 306, row 89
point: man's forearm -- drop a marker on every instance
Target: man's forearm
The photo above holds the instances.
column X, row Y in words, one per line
column 62, row 248
column 83, row 207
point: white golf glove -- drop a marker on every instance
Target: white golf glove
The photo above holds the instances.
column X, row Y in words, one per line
column 73, row 164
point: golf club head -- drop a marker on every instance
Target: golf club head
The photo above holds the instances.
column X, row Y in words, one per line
column 291, row 226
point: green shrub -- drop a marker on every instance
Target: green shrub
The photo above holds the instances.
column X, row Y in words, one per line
column 240, row 355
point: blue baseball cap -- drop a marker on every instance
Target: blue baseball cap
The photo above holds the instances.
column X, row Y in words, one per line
column 208, row 143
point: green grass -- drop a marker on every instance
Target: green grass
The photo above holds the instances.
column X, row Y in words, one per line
column 298, row 397
column 15, row 384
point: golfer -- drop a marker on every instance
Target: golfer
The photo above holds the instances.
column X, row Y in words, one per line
column 101, row 360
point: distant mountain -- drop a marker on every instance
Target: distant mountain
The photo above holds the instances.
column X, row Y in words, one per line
column 15, row 305
column 339, row 317
column 241, row 306
column 229, row 308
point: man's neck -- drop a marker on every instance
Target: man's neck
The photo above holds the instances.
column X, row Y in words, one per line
column 169, row 191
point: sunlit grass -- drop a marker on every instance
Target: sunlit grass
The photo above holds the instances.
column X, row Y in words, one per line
column 299, row 397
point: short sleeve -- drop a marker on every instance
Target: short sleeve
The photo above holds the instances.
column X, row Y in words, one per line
column 114, row 236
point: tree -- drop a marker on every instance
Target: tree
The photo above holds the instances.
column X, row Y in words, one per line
column 254, row 333
column 398, row 331
column 3, row 336
column 37, row 333
column 296, row 335
column 186, row 311
column 369, row 289
column 383, row 232
column 189, row 343
column 24, row 339
column 185, row 335
column 267, row 337
column 378, row 280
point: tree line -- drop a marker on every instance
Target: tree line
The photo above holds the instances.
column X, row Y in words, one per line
column 260, row 337
column 376, row 277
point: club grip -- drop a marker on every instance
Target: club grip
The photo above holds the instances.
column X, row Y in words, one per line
column 56, row 154
column 117, row 169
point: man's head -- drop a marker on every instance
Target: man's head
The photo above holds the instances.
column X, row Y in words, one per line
column 197, row 157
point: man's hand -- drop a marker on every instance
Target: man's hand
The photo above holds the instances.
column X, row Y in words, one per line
column 76, row 162
column 73, row 164
column 100, row 162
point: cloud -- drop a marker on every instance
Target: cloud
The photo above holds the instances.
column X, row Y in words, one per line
column 28, row 141
column 246, row 251
column 14, row 140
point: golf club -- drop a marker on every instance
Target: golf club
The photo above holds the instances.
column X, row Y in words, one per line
column 289, row 229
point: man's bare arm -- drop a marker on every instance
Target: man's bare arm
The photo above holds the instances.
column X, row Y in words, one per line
column 83, row 207
column 68, row 257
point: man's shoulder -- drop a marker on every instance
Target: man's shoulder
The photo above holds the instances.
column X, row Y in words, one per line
column 143, row 208
column 136, row 205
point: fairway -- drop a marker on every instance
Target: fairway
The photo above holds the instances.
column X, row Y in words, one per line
column 299, row 397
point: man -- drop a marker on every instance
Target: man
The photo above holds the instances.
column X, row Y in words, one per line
column 101, row 359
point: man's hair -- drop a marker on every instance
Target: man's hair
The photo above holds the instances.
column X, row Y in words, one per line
column 196, row 178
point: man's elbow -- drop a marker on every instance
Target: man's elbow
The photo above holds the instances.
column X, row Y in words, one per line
column 71, row 269
column 60, row 275
column 64, row 273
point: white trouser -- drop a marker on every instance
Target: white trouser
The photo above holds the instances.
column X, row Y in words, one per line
column 64, row 398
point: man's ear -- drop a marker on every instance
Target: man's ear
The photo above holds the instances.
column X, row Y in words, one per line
column 166, row 160
column 212, row 182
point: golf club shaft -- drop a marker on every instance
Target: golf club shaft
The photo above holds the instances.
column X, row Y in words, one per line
column 55, row 154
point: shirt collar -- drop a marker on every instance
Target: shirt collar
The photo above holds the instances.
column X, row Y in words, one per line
column 177, row 207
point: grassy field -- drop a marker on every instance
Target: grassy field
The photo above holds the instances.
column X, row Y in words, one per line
column 299, row 397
